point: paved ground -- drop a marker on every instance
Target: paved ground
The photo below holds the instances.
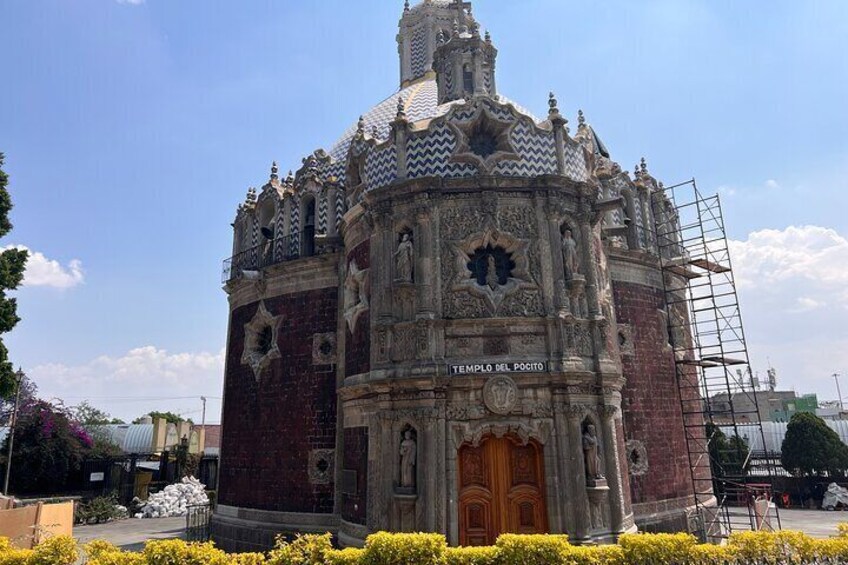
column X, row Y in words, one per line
column 131, row 534
column 817, row 523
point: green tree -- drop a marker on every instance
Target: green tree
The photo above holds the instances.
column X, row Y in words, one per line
column 12, row 265
column 88, row 415
column 728, row 455
column 170, row 417
column 95, row 422
column 811, row 447
column 49, row 447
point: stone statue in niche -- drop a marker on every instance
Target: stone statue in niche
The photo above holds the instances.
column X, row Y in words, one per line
column 355, row 294
column 491, row 272
column 408, row 456
column 404, row 259
column 569, row 255
column 591, row 455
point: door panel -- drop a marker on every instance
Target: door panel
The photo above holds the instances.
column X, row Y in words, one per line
column 501, row 489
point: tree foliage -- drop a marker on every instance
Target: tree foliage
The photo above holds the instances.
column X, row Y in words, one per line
column 12, row 265
column 811, row 447
column 28, row 398
column 728, row 455
column 88, row 415
column 49, row 448
column 170, row 417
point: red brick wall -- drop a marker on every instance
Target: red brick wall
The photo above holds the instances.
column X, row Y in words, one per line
column 354, row 503
column 270, row 426
column 650, row 399
column 358, row 345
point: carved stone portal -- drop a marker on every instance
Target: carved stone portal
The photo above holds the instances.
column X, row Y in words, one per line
column 500, row 394
column 260, row 341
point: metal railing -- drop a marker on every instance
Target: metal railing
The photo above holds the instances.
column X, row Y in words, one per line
column 198, row 522
column 269, row 252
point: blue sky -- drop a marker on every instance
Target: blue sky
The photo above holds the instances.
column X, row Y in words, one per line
column 133, row 129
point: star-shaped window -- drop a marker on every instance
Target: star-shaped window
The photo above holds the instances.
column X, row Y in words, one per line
column 483, row 141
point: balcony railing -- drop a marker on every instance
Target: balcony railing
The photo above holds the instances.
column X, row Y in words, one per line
column 269, row 252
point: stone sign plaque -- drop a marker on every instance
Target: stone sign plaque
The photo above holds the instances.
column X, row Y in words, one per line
column 499, row 367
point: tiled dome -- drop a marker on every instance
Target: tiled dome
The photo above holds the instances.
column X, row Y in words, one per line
column 421, row 102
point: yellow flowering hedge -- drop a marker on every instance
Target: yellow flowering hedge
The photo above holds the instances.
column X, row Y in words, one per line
column 431, row 549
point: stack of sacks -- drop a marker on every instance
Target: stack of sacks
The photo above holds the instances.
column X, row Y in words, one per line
column 174, row 499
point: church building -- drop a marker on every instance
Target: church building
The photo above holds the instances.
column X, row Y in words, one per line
column 452, row 320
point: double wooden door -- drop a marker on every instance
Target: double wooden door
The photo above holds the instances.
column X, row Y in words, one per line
column 501, row 490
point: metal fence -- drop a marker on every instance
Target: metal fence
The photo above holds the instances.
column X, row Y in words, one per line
column 269, row 252
column 198, row 519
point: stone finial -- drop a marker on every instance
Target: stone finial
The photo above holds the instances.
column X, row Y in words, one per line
column 488, row 37
column 636, row 172
column 581, row 119
column 251, row 196
column 456, row 27
column 290, row 177
column 360, row 125
column 401, row 111
column 375, row 132
column 274, row 170
column 441, row 37
column 406, row 6
column 643, row 166
column 552, row 104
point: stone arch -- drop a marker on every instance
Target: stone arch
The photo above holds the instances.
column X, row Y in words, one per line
column 474, row 432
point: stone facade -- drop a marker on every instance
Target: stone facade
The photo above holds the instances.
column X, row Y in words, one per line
column 454, row 282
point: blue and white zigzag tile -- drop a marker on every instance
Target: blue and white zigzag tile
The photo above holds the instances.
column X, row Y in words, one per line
column 381, row 166
column 536, row 151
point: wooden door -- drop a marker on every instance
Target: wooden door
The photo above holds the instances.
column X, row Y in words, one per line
column 501, row 490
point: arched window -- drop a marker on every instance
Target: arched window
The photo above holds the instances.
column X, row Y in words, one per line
column 468, row 79
column 307, row 213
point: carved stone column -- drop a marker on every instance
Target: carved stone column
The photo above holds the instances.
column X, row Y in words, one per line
column 381, row 261
column 589, row 264
column 425, row 266
column 575, row 476
column 614, row 467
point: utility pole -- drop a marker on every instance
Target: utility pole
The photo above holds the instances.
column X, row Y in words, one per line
column 19, row 377
column 203, row 425
column 839, row 393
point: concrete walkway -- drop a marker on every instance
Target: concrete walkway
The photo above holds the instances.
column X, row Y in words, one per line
column 131, row 534
column 816, row 523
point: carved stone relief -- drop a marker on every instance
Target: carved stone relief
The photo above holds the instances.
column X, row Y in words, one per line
column 637, row 457
column 324, row 349
column 260, row 341
column 321, row 466
column 500, row 394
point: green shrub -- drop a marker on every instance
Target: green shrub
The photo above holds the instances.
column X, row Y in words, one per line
column 347, row 556
column 472, row 556
column 532, row 549
column 401, row 549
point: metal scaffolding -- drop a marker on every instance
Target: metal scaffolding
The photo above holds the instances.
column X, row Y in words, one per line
column 712, row 365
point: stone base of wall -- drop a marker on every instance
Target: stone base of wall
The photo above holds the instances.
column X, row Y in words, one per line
column 239, row 530
column 666, row 516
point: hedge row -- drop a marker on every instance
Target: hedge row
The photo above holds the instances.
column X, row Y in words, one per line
column 431, row 549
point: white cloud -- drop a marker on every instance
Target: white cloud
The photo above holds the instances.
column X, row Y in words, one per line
column 144, row 379
column 41, row 271
column 771, row 183
column 799, row 258
column 793, row 292
column 133, row 2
